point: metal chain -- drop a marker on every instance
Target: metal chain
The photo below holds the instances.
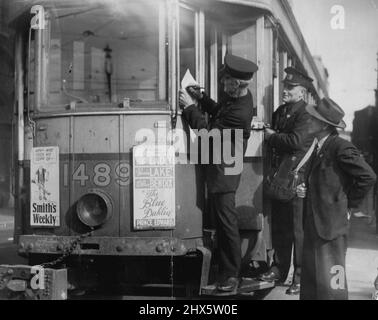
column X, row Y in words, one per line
column 68, row 251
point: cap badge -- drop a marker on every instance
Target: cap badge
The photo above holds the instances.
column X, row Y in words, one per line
column 289, row 77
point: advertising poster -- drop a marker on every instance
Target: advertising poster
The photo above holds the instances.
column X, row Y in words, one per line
column 44, row 187
column 154, row 187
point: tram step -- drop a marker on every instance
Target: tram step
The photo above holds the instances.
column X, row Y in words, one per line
column 247, row 285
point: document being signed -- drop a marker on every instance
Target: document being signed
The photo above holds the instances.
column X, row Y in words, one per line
column 188, row 80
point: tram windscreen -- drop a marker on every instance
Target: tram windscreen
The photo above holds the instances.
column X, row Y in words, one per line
column 106, row 54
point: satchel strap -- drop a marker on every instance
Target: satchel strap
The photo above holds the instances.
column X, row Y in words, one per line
column 306, row 156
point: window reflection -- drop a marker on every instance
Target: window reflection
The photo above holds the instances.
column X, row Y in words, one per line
column 243, row 43
column 108, row 54
column 187, row 42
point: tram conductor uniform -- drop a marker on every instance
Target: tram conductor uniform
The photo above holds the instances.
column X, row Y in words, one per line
column 289, row 137
column 337, row 180
column 234, row 111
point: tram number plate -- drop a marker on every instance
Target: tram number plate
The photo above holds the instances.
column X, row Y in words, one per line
column 100, row 174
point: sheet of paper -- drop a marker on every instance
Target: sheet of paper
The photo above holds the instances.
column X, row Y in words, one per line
column 188, row 80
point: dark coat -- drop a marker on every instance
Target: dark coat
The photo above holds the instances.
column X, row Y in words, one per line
column 229, row 113
column 339, row 178
column 290, row 121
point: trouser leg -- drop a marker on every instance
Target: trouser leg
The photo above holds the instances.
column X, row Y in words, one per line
column 308, row 274
column 298, row 238
column 323, row 269
column 282, row 236
column 330, row 263
column 228, row 236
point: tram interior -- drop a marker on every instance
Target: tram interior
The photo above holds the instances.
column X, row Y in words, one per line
column 105, row 56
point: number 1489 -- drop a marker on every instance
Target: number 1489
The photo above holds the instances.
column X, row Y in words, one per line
column 100, row 174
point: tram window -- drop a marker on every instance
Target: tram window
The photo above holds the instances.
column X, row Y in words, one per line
column 243, row 43
column 213, row 58
column 187, row 41
column 106, row 54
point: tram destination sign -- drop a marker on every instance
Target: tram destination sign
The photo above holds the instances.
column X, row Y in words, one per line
column 44, row 187
column 154, row 187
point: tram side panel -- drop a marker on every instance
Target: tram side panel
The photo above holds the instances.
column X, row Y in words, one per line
column 92, row 149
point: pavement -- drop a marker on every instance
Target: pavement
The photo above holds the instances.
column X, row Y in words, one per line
column 361, row 263
column 362, row 259
column 8, row 250
column 6, row 227
column 6, row 219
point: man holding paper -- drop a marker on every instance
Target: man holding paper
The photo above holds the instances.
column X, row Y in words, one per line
column 233, row 114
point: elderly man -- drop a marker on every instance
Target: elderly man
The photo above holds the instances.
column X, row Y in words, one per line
column 290, row 137
column 337, row 180
column 234, row 111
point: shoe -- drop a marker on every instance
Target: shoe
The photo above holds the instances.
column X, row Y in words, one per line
column 231, row 284
column 294, row 289
column 270, row 276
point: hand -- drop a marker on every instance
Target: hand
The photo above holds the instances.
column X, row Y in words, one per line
column 268, row 132
column 195, row 92
column 356, row 212
column 185, row 100
column 301, row 191
column 349, row 213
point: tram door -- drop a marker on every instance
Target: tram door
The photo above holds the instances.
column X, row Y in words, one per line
column 242, row 41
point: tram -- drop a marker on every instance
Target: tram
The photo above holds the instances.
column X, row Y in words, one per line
column 96, row 81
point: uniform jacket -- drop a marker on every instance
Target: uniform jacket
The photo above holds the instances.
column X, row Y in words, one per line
column 290, row 121
column 338, row 179
column 229, row 113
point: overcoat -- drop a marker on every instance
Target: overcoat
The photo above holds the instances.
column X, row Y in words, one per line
column 229, row 113
column 339, row 179
column 292, row 137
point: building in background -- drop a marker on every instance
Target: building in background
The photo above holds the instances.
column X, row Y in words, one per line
column 365, row 130
column 365, row 137
column 322, row 70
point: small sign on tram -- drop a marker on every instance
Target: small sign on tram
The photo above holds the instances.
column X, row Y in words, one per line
column 44, row 187
column 154, row 187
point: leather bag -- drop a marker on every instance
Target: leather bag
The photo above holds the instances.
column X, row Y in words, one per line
column 282, row 183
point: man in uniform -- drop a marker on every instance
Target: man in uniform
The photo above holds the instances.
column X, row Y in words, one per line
column 234, row 111
column 289, row 137
column 337, row 180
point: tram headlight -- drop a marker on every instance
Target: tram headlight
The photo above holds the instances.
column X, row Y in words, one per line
column 93, row 209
